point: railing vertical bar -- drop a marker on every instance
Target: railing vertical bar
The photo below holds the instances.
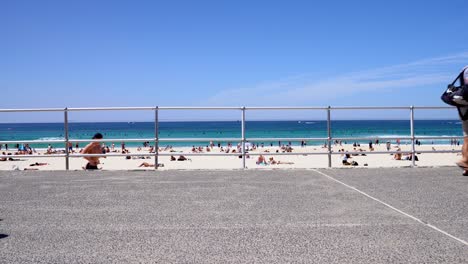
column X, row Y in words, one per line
column 413, row 149
column 243, row 137
column 329, row 140
column 67, row 154
column 156, row 138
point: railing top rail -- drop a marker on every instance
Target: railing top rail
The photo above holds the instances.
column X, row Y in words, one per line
column 31, row 141
column 152, row 108
column 110, row 108
column 434, row 107
column 286, row 108
column 221, row 108
column 388, row 107
column 33, row 110
column 200, row 108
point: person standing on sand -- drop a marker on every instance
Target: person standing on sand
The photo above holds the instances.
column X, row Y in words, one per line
column 463, row 163
column 93, row 148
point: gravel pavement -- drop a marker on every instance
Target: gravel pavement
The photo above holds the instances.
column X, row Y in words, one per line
column 407, row 215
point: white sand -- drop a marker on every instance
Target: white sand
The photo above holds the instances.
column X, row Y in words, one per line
column 233, row 162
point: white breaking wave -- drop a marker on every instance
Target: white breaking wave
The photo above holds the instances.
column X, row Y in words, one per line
column 51, row 138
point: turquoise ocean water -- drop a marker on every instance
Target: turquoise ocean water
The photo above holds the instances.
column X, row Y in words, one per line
column 230, row 129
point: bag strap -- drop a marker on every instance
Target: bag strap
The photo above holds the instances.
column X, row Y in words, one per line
column 460, row 76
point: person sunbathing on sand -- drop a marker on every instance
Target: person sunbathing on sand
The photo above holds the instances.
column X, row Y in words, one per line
column 39, row 164
column 272, row 161
column 409, row 156
column 182, row 158
column 12, row 159
column 146, row 164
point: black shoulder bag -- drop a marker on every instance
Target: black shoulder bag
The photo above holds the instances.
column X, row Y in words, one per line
column 457, row 96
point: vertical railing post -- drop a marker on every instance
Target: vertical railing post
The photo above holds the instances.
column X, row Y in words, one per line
column 413, row 150
column 67, row 154
column 156, row 137
column 243, row 137
column 329, row 136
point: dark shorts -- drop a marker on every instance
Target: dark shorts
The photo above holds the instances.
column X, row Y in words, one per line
column 91, row 167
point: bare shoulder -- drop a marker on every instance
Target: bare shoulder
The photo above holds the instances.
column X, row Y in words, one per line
column 89, row 148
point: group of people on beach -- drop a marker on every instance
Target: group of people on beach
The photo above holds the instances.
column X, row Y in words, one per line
column 262, row 160
column 404, row 156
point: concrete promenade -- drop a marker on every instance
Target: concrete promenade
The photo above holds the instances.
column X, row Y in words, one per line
column 386, row 215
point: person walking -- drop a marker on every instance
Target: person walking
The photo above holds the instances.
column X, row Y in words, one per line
column 463, row 111
column 93, row 148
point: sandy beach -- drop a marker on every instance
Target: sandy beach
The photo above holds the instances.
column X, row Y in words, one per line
column 290, row 161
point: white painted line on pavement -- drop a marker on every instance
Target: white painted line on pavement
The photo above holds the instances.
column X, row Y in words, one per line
column 398, row 210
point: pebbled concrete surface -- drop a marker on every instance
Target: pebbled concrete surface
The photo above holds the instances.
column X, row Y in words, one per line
column 436, row 196
column 277, row 216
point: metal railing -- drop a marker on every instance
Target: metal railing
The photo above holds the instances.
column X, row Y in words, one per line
column 156, row 139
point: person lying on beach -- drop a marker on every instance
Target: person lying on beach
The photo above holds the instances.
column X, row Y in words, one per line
column 146, row 164
column 93, row 148
column 410, row 156
column 12, row 159
column 182, row 158
column 139, row 157
column 4, row 158
column 272, row 161
column 39, row 164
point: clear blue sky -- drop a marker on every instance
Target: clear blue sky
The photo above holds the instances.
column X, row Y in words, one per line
column 229, row 53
